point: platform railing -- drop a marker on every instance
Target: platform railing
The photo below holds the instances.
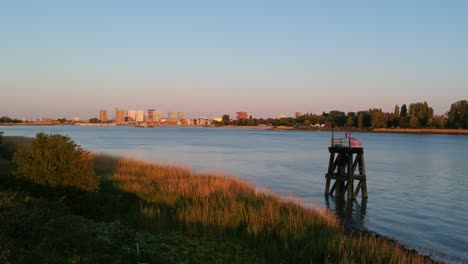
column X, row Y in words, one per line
column 346, row 142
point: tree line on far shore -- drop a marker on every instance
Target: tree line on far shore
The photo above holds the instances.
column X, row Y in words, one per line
column 414, row 115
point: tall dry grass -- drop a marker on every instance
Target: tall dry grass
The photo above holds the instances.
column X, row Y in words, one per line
column 177, row 198
column 422, row 131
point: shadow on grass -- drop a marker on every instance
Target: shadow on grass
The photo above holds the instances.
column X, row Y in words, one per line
column 158, row 198
column 222, row 220
column 58, row 225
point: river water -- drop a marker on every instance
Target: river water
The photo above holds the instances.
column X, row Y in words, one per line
column 417, row 184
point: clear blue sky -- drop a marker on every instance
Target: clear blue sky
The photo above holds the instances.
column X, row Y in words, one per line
column 72, row 58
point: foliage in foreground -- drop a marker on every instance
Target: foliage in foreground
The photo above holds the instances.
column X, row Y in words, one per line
column 175, row 216
column 56, row 161
column 10, row 144
column 174, row 198
column 35, row 230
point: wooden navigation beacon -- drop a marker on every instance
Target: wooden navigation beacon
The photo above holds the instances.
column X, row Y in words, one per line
column 346, row 166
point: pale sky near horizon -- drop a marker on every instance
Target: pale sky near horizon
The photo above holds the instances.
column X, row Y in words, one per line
column 72, row 58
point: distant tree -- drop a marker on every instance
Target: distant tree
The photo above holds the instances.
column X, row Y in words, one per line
column 349, row 122
column 403, row 111
column 301, row 119
column 62, row 120
column 338, row 117
column 378, row 118
column 422, row 112
column 288, row 121
column 404, row 122
column 306, row 123
column 225, row 119
column 261, row 121
column 396, row 117
column 438, row 121
column 360, row 120
column 366, row 119
column 353, row 116
column 414, row 122
column 458, row 115
column 396, row 112
column 93, row 120
column 56, row 161
column 6, row 119
column 316, row 119
column 242, row 122
column 1, row 137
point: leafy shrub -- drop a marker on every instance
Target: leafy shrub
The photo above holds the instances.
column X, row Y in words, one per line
column 56, row 161
column 10, row 144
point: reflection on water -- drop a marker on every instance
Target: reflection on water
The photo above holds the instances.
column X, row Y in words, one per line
column 351, row 213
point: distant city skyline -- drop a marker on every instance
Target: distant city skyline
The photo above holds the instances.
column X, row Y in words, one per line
column 209, row 58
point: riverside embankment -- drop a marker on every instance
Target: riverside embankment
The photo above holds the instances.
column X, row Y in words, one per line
column 421, row 131
column 415, row 181
column 215, row 212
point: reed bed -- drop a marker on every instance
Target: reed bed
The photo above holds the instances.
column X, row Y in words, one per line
column 422, row 131
column 175, row 198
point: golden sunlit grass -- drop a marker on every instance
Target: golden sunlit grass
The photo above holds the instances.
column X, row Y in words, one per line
column 422, row 131
column 280, row 230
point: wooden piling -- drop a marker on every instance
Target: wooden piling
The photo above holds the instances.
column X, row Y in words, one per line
column 345, row 166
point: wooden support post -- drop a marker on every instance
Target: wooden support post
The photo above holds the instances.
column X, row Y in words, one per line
column 350, row 176
column 364, row 180
column 358, row 187
column 339, row 178
column 333, row 188
column 345, row 166
column 329, row 173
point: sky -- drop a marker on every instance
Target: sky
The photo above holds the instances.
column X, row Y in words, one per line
column 208, row 58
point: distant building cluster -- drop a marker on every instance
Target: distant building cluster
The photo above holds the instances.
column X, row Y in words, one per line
column 153, row 117
column 148, row 118
column 241, row 115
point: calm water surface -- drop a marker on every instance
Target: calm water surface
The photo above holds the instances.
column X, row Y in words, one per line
column 418, row 184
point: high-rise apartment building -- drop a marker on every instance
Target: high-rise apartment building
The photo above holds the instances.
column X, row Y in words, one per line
column 154, row 116
column 140, row 116
column 241, row 115
column 103, row 116
column 171, row 116
column 180, row 116
column 120, row 114
column 131, row 115
column 157, row 116
column 151, row 114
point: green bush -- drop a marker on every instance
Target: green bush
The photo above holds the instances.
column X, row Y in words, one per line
column 10, row 144
column 56, row 161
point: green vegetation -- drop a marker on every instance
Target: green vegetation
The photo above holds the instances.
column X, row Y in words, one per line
column 10, row 144
column 418, row 115
column 6, row 119
column 56, row 161
column 154, row 213
column 458, row 115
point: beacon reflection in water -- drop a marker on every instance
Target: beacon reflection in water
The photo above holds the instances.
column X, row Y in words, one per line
column 351, row 213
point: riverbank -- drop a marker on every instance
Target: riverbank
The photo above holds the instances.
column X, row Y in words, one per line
column 224, row 219
column 245, row 127
column 421, row 131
